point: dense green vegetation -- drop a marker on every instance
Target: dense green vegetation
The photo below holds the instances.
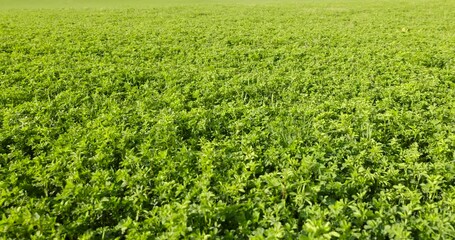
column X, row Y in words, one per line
column 329, row 119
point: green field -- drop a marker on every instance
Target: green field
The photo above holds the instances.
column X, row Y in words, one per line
column 136, row 4
column 227, row 119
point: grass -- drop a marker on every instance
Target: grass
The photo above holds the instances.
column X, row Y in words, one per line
column 294, row 120
column 119, row 4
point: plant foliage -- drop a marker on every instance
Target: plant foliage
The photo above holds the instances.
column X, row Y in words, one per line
column 322, row 120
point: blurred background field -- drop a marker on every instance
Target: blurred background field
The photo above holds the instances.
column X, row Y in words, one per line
column 52, row 4
column 103, row 4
